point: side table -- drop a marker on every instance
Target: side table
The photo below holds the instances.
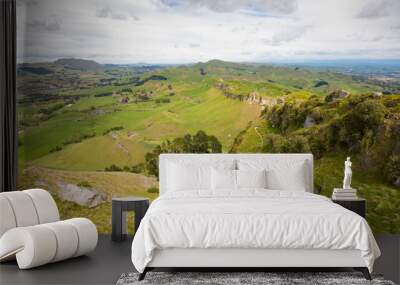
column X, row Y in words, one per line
column 356, row 205
column 119, row 208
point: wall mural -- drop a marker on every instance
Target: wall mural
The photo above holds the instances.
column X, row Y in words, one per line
column 105, row 86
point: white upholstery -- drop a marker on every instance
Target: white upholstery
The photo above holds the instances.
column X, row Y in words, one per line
column 66, row 236
column 45, row 206
column 87, row 234
column 31, row 232
column 7, row 219
column 32, row 246
column 23, row 208
column 285, row 162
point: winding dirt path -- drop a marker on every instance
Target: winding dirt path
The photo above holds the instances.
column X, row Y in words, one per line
column 259, row 135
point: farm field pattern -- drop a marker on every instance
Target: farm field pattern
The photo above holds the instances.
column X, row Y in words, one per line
column 77, row 118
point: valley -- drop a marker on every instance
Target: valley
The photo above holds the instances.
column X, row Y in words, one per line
column 89, row 124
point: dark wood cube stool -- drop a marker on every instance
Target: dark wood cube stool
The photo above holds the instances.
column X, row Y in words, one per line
column 119, row 208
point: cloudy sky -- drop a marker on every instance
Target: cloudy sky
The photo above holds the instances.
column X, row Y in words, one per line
column 183, row 31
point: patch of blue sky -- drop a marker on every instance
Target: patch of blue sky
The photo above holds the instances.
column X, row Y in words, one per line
column 172, row 3
column 259, row 13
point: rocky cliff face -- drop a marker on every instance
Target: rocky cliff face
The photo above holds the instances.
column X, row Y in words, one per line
column 251, row 98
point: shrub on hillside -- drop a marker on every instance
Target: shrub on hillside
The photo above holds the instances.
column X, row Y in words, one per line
column 153, row 190
column 321, row 83
column 365, row 116
column 163, row 100
column 198, row 143
column 138, row 168
column 51, row 109
column 79, row 139
column 392, row 169
column 113, row 167
column 104, row 94
column 295, row 144
column 280, row 144
column 85, row 184
column 56, row 148
column 361, row 124
column 317, row 146
column 118, row 128
column 290, row 115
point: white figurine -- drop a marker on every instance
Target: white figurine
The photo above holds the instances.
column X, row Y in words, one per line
column 347, row 174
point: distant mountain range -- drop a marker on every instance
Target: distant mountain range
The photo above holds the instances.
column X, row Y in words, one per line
column 368, row 68
column 47, row 68
column 77, row 63
column 372, row 67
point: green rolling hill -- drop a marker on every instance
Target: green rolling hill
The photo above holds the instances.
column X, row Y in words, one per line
column 78, row 117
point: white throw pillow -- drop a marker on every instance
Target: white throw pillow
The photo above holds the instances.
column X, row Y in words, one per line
column 183, row 178
column 251, row 178
column 223, row 179
column 174, row 173
column 282, row 174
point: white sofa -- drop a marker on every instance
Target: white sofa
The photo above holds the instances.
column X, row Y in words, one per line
column 31, row 230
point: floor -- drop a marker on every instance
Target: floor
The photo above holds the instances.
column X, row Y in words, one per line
column 110, row 260
column 103, row 266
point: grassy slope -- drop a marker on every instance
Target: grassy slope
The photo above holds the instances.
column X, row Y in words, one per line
column 196, row 105
column 189, row 110
column 383, row 201
column 113, row 184
column 150, row 123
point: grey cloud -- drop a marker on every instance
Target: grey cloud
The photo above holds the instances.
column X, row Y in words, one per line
column 135, row 17
column 50, row 25
column 362, row 37
column 270, row 7
column 107, row 12
column 286, row 36
column 103, row 12
column 85, row 35
column 378, row 8
column 28, row 3
column 118, row 16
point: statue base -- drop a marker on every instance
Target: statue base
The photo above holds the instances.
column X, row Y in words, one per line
column 351, row 190
column 344, row 194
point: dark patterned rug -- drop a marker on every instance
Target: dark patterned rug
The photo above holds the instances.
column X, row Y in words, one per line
column 268, row 278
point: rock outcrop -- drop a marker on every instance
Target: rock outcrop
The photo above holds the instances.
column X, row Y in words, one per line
column 335, row 95
column 377, row 94
column 251, row 98
column 397, row 182
column 83, row 196
column 309, row 122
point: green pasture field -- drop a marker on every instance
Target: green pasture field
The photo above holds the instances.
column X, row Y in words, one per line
column 192, row 102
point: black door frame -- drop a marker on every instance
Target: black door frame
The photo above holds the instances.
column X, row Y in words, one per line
column 8, row 100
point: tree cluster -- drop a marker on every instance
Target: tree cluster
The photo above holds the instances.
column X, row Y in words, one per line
column 356, row 124
column 198, row 143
